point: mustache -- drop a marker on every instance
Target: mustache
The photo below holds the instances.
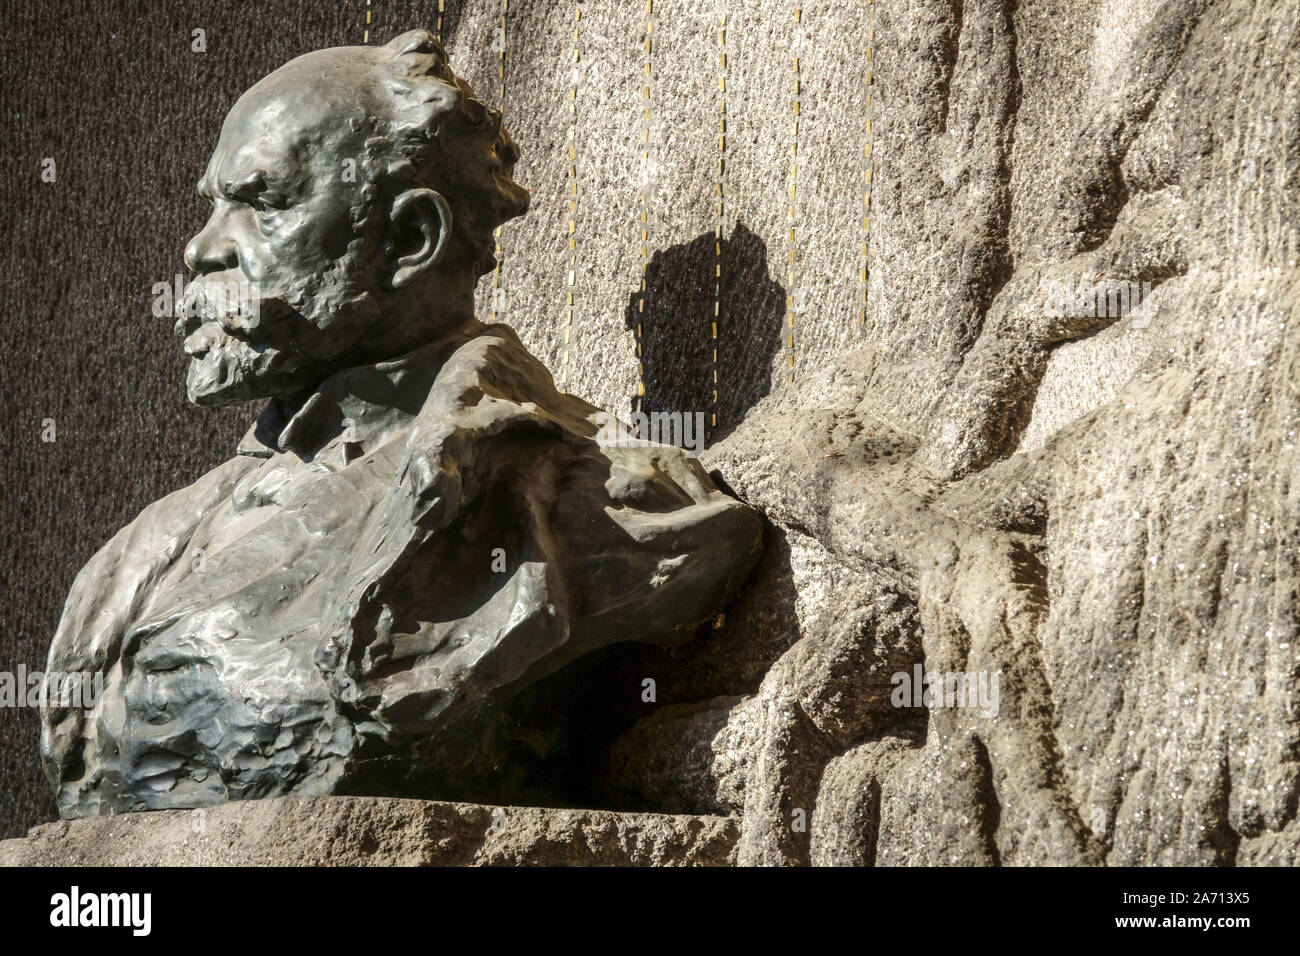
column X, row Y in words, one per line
column 239, row 307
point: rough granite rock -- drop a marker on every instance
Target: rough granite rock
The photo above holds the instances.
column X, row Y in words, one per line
column 1097, row 509
column 1128, row 569
column 376, row 831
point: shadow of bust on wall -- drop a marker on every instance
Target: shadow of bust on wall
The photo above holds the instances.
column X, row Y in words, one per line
column 418, row 525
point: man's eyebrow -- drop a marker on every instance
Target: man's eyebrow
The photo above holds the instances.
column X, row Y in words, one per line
column 255, row 183
column 250, row 185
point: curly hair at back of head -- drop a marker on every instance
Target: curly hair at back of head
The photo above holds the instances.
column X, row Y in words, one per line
column 430, row 130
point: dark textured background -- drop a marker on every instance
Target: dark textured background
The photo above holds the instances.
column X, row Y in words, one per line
column 114, row 94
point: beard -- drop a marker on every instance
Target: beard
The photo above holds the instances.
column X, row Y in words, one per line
column 225, row 370
column 245, row 345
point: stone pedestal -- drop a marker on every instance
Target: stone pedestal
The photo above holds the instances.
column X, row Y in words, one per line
column 377, row 831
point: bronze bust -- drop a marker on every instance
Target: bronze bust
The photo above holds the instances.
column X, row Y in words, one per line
column 418, row 523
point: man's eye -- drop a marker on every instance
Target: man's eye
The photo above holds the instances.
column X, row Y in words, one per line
column 265, row 203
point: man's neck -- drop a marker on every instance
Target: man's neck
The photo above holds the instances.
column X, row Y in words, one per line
column 359, row 404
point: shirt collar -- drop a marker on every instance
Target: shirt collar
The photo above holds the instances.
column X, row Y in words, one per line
column 356, row 407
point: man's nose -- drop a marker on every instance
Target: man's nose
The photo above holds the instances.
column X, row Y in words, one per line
column 210, row 251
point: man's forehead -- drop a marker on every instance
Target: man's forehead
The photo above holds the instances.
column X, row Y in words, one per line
column 270, row 136
column 304, row 109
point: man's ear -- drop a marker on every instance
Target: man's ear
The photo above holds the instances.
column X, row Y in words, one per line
column 421, row 227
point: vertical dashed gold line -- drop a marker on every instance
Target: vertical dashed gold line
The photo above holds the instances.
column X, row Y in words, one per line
column 573, row 194
column 717, row 239
column 794, row 173
column 645, row 218
column 497, row 297
column 866, row 160
column 442, row 11
column 366, row 36
column 501, row 56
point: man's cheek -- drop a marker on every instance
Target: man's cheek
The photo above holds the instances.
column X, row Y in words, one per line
column 307, row 242
column 276, row 252
column 289, row 268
